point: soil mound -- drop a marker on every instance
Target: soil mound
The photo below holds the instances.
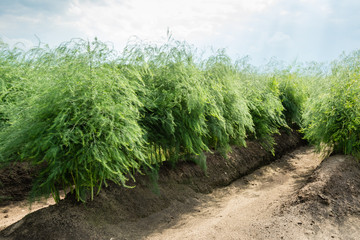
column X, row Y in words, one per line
column 333, row 190
column 327, row 206
column 110, row 212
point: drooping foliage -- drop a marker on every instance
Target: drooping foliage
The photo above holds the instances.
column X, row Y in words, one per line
column 228, row 118
column 332, row 115
column 85, row 114
column 81, row 124
column 263, row 97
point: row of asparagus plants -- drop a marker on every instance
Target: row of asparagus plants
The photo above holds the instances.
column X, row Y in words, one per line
column 86, row 114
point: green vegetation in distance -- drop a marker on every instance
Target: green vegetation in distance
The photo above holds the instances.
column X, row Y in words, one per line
column 332, row 115
column 86, row 114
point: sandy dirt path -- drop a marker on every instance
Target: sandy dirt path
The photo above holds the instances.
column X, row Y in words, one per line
column 245, row 209
column 14, row 212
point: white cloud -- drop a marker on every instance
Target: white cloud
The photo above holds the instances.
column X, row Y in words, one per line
column 117, row 20
column 310, row 29
column 279, row 38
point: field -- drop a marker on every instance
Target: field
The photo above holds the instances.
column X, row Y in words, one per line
column 87, row 118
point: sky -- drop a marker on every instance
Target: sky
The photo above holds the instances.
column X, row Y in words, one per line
column 289, row 30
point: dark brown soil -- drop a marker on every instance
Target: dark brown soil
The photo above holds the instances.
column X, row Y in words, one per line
column 333, row 190
column 15, row 183
column 110, row 212
column 328, row 205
